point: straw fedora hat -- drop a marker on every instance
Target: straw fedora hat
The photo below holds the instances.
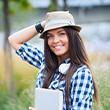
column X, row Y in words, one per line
column 59, row 19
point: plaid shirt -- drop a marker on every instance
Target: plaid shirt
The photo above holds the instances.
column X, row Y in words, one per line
column 81, row 87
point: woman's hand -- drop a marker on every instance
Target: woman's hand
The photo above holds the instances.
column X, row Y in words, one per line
column 31, row 108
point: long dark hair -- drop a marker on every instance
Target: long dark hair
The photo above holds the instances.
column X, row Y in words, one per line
column 77, row 55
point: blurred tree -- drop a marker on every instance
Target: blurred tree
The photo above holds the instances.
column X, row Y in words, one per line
column 53, row 5
column 7, row 49
column 65, row 6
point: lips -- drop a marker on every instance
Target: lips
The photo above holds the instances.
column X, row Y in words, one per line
column 58, row 47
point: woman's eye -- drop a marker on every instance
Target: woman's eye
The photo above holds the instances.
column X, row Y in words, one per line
column 48, row 36
column 62, row 33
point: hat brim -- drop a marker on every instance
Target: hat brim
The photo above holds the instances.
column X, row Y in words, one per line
column 76, row 27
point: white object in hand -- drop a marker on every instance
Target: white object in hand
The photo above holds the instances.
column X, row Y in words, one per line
column 48, row 99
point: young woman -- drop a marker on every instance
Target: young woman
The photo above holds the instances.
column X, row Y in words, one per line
column 64, row 65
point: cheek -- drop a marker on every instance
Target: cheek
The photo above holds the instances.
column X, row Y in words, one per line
column 67, row 45
column 66, row 42
column 49, row 43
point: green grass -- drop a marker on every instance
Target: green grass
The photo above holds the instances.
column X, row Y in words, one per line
column 101, row 67
column 24, row 77
column 24, row 81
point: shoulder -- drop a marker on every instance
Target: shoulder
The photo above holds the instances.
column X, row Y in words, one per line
column 82, row 73
column 82, row 80
column 33, row 55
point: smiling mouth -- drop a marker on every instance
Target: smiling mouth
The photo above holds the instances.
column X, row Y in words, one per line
column 58, row 47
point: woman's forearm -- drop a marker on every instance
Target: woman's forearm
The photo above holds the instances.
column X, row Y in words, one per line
column 18, row 38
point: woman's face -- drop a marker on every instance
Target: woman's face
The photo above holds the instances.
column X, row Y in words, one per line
column 58, row 42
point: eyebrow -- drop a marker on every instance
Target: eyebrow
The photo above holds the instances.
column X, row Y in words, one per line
column 61, row 30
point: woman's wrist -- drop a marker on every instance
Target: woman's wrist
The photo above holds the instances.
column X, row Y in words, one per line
column 39, row 28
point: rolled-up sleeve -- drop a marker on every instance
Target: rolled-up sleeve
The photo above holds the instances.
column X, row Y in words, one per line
column 82, row 90
column 31, row 54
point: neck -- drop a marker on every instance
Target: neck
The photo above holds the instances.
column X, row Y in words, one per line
column 61, row 59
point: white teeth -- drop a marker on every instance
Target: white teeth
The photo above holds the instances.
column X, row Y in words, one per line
column 57, row 47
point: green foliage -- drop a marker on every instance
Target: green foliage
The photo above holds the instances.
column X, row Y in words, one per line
column 18, row 103
column 53, row 5
column 15, row 7
column 1, row 4
column 24, row 78
column 18, row 5
column 23, row 98
column 24, row 4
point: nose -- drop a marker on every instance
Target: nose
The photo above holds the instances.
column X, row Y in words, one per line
column 56, row 39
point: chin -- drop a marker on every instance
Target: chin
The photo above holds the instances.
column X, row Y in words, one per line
column 60, row 54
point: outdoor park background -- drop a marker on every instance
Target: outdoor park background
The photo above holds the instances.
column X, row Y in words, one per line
column 17, row 78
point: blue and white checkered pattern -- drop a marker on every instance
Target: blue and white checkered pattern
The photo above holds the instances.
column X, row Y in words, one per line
column 81, row 87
